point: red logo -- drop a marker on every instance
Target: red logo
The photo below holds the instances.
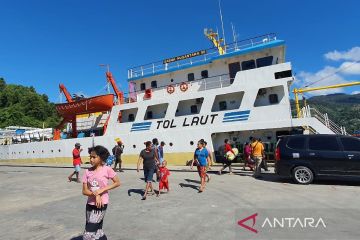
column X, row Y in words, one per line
column 253, row 217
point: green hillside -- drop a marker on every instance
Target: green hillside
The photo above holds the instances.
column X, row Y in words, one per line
column 23, row 106
column 343, row 109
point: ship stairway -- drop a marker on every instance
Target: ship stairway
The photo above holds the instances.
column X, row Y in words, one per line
column 307, row 112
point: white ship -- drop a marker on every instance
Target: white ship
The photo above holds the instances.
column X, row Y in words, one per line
column 233, row 91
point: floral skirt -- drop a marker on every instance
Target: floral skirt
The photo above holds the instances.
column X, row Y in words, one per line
column 94, row 223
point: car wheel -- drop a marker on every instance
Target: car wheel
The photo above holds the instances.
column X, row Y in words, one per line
column 302, row 175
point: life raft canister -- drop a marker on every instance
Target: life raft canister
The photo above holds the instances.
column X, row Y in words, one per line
column 170, row 89
column 184, row 86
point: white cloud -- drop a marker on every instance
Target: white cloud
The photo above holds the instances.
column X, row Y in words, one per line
column 332, row 75
column 350, row 55
column 355, row 92
column 351, row 68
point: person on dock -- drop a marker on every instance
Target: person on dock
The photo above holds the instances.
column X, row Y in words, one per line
column 257, row 149
column 248, row 161
column 155, row 147
column 76, row 162
column 164, row 180
column 201, row 157
column 150, row 160
column 117, row 151
column 211, row 162
column 95, row 186
column 227, row 161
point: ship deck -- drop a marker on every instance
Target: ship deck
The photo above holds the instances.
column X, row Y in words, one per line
column 38, row 203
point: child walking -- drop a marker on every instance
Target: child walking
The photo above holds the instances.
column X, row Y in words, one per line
column 164, row 180
column 95, row 186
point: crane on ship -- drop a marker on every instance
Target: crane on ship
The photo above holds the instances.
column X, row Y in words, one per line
column 216, row 41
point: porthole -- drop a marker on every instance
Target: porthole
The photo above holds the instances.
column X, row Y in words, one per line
column 52, row 151
column 172, row 80
column 134, row 146
column 33, row 151
column 19, row 152
column 191, row 143
column 42, row 151
column 27, row 152
column 59, row 150
column 171, row 144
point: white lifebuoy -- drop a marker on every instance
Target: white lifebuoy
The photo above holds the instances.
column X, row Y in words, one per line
column 170, row 89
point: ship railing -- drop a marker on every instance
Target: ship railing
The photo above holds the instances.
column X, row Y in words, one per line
column 219, row 81
column 308, row 111
column 161, row 66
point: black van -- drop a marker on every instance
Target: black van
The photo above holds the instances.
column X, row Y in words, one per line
column 304, row 157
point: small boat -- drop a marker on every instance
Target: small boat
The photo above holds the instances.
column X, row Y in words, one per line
column 86, row 105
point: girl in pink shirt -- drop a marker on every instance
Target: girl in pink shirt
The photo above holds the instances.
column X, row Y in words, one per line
column 95, row 186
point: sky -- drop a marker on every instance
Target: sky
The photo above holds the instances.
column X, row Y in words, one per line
column 47, row 42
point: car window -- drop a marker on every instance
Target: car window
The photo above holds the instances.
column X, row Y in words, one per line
column 323, row 143
column 351, row 144
column 297, row 143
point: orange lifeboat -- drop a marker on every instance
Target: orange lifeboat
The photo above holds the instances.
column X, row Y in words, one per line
column 86, row 105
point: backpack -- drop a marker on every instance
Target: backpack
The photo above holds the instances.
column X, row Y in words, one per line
column 110, row 160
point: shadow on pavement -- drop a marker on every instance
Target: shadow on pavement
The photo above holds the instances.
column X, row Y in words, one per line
column 192, row 181
column 188, row 186
column 137, row 191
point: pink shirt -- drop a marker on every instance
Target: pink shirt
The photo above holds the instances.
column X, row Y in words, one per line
column 96, row 180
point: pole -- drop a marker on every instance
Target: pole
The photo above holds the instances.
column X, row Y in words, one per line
column 222, row 24
column 298, row 114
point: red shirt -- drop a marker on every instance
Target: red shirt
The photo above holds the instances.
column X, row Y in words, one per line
column 164, row 173
column 76, row 157
column 228, row 148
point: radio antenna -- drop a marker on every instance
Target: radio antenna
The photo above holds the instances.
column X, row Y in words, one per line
column 234, row 35
column 222, row 23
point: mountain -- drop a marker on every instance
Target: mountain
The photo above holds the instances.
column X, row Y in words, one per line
column 343, row 109
column 23, row 106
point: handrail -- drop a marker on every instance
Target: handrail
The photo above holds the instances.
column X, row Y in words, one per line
column 218, row 81
column 154, row 67
column 307, row 111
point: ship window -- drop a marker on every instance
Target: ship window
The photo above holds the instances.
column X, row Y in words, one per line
column 149, row 115
column 222, row 105
column 283, row 74
column 156, row 111
column 264, row 61
column 172, row 80
column 228, row 101
column 191, row 77
column 154, row 84
column 189, row 107
column 269, row 96
column 246, row 65
column 273, row 98
column 193, row 109
column 142, row 87
column 131, row 117
column 204, row 74
column 127, row 115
